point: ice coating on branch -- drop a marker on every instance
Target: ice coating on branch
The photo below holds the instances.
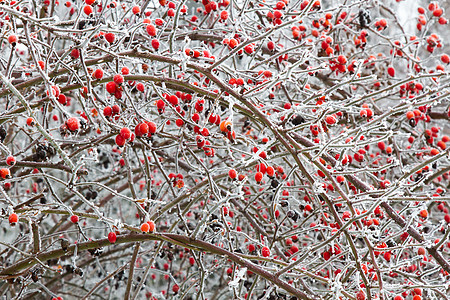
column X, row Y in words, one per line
column 336, row 288
column 238, row 277
column 21, row 50
column 318, row 188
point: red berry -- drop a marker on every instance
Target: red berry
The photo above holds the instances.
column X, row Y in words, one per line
column 116, row 109
column 360, row 295
column 41, row 64
column 270, row 171
column 151, row 30
column 30, row 122
column 120, row 141
column 294, row 248
column 155, row 44
column 391, row 71
column 75, row 53
column 107, row 111
column 112, row 237
column 265, row 251
column 12, row 39
column 13, row 218
column 330, row 120
column 140, row 87
column 10, row 160
column 111, row 87
column 176, row 288
column 258, row 176
column 145, row 227
column 98, row 74
column 118, row 79
column 224, row 15
column 73, row 124
column 233, row 43
column 445, row 59
column 409, row 115
column 74, row 219
column 438, row 12
column 136, row 10
column 251, row 248
column 232, row 174
column 434, row 152
column 442, row 21
column 88, row 10
column 195, row 117
column 342, row 59
column 110, row 37
column 151, row 225
column 62, row 99
column 363, row 113
column 151, row 127
column 125, row 71
column 125, row 133
column 141, row 129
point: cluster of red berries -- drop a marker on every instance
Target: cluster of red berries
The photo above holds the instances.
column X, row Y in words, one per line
column 231, row 43
column 265, row 251
column 145, row 128
column 149, row 226
column 433, row 41
column 115, row 87
column 125, row 135
column 339, row 64
column 436, row 12
column 177, row 180
column 111, row 111
column 381, row 24
column 410, row 89
column 327, row 45
column 361, row 40
column 72, row 124
column 416, row 115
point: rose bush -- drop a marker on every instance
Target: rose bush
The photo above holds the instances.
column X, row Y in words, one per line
column 230, row 150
